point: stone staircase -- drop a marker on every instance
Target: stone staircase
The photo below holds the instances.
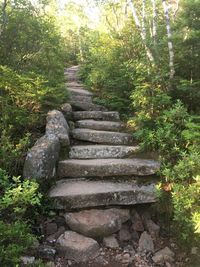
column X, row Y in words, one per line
column 102, row 168
column 100, row 177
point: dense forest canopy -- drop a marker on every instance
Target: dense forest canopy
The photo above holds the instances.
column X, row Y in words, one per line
column 141, row 57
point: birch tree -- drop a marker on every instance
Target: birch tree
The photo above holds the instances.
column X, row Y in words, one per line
column 169, row 36
column 154, row 28
column 141, row 31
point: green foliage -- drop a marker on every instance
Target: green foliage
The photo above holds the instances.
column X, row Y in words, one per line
column 15, row 239
column 166, row 135
column 18, row 197
column 186, row 204
column 32, row 55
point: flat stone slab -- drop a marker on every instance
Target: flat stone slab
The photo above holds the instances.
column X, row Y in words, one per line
column 107, row 167
column 102, row 137
column 86, row 106
column 101, row 151
column 81, row 193
column 97, row 223
column 79, row 91
column 98, row 115
column 100, row 125
column 77, row 247
column 57, row 125
column 42, row 158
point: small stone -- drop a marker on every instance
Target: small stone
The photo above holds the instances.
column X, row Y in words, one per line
column 137, row 221
column 126, row 258
column 69, row 262
column 146, row 243
column 26, row 260
column 163, row 255
column 153, row 229
column 110, row 242
column 52, row 238
column 46, row 252
column 124, row 235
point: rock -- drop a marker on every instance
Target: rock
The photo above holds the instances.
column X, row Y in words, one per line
column 97, row 115
column 102, row 137
column 126, row 258
column 41, row 159
column 153, row 229
column 97, row 223
column 100, row 125
column 50, row 228
column 146, row 243
column 77, row 247
column 163, row 255
column 57, row 125
column 53, row 237
column 110, row 242
column 27, row 260
column 137, row 224
column 81, row 193
column 124, row 235
column 101, row 151
column 46, row 252
column 106, row 167
column 66, row 109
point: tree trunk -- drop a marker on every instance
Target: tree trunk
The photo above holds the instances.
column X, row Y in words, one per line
column 169, row 35
column 142, row 34
column 154, row 28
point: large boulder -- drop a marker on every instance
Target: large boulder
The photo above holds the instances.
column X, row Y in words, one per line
column 41, row 159
column 77, row 247
column 97, row 223
column 57, row 125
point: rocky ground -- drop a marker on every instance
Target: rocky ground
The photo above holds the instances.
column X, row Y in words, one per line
column 140, row 242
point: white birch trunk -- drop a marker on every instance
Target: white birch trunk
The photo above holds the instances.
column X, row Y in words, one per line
column 144, row 17
column 154, row 28
column 169, row 35
column 143, row 36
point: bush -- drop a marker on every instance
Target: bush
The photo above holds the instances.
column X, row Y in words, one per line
column 15, row 239
column 18, row 198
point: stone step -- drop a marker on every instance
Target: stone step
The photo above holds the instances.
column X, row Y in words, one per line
column 100, row 125
column 101, row 151
column 106, row 167
column 81, row 193
column 79, row 91
column 102, row 137
column 86, row 106
column 98, row 115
